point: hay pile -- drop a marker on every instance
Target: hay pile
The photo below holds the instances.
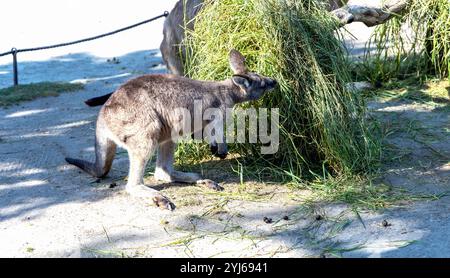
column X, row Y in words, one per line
column 322, row 125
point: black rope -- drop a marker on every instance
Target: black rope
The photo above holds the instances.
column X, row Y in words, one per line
column 14, row 50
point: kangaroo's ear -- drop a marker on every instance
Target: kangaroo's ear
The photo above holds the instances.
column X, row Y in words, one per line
column 237, row 62
column 241, row 81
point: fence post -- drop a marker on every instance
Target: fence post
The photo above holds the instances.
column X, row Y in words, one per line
column 15, row 71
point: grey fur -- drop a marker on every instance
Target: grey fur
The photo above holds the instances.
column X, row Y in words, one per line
column 140, row 117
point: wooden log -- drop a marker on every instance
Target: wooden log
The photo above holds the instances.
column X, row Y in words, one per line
column 368, row 14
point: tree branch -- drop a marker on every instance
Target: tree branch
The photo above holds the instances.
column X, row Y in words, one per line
column 369, row 15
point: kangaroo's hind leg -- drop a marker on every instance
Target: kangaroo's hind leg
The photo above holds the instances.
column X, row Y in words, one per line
column 105, row 150
column 139, row 154
column 164, row 169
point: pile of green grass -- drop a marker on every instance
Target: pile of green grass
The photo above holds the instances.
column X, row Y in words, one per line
column 322, row 125
column 428, row 53
column 20, row 93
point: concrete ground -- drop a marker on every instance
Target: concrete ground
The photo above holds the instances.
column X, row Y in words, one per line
column 51, row 209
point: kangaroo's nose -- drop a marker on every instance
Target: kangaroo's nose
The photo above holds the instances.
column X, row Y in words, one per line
column 350, row 19
column 273, row 82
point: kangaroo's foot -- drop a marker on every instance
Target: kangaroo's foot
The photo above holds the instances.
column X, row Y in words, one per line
column 185, row 177
column 210, row 184
column 142, row 191
column 163, row 203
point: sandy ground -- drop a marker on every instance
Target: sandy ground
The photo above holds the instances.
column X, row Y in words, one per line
column 48, row 208
column 51, row 209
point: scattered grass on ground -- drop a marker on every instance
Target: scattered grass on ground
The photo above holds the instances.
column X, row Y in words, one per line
column 14, row 95
column 430, row 91
column 358, row 192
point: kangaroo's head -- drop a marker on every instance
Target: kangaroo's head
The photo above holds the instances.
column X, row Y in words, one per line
column 253, row 85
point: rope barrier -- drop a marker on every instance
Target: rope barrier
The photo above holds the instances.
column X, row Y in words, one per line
column 15, row 51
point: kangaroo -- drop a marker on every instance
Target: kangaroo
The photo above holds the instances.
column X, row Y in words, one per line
column 139, row 116
column 180, row 20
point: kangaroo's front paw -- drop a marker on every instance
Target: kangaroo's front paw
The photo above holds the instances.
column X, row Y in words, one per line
column 210, row 184
column 163, row 203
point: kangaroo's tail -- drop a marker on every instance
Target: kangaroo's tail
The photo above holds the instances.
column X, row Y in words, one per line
column 97, row 101
column 84, row 165
column 105, row 150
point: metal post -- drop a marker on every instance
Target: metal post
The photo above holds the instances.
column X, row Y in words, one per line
column 15, row 71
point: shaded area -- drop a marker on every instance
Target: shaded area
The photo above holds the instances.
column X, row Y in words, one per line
column 81, row 67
